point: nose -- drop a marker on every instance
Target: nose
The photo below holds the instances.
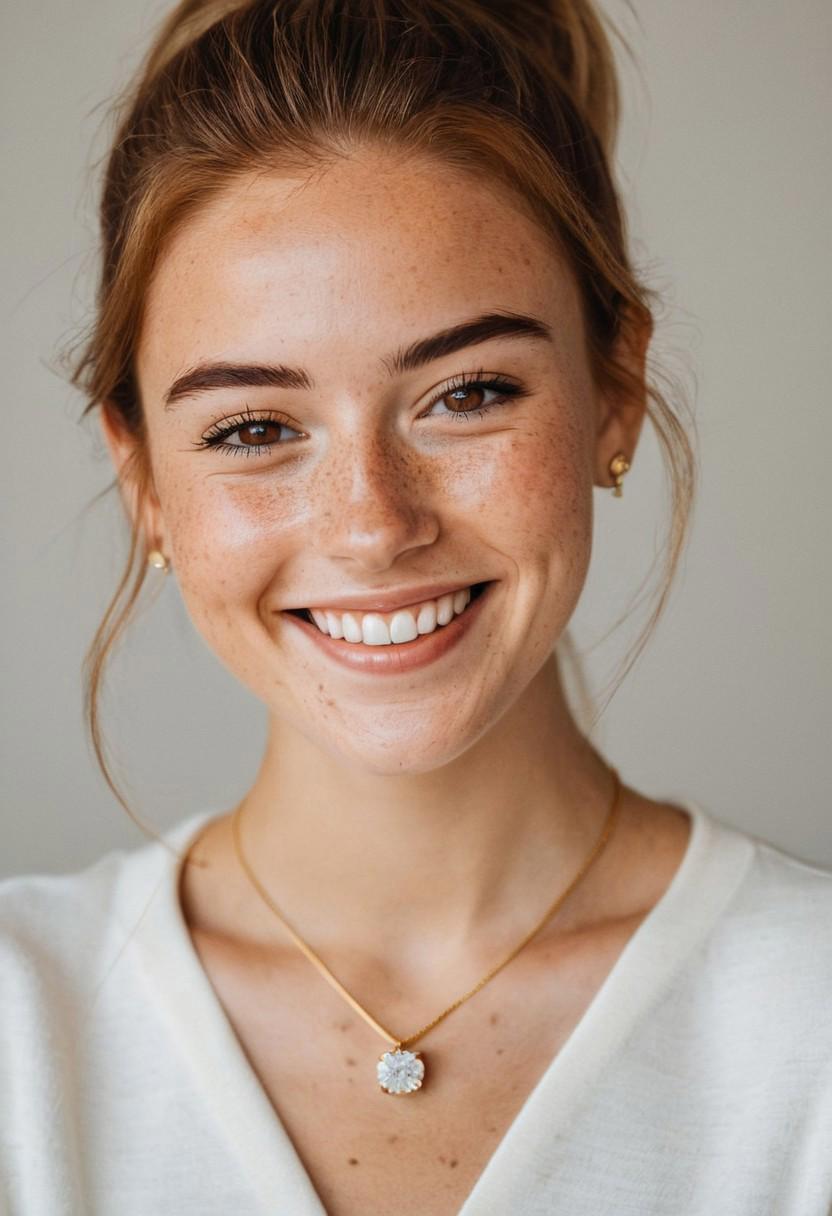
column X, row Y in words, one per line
column 374, row 502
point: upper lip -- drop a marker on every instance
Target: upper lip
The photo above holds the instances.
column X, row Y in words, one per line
column 385, row 601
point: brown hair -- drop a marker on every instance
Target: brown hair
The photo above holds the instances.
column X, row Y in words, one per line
column 524, row 91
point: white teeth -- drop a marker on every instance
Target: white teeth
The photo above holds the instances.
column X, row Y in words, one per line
column 352, row 629
column 374, row 631
column 426, row 622
column 444, row 609
column 335, row 630
column 403, row 627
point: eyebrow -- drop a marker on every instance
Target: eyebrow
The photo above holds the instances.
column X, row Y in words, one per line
column 218, row 375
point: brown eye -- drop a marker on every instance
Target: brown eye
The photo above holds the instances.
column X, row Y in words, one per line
column 255, row 433
column 473, row 397
column 249, row 436
column 470, row 397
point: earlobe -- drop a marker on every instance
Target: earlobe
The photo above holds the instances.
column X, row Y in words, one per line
column 622, row 409
column 616, row 442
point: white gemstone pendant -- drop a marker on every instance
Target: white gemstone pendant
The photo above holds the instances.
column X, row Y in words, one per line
column 400, row 1072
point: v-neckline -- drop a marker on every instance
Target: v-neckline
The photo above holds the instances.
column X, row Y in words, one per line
column 641, row 973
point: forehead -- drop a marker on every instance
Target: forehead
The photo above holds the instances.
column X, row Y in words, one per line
column 371, row 249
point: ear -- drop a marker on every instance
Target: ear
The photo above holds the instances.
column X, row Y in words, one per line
column 132, row 466
column 621, row 411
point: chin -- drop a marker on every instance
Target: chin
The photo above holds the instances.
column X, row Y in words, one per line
column 395, row 755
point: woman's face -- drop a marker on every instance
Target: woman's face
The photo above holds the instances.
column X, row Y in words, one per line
column 362, row 464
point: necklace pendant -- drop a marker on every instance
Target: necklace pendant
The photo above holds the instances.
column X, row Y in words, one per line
column 400, row 1072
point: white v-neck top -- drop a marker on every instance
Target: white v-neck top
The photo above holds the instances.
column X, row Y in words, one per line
column 697, row 1083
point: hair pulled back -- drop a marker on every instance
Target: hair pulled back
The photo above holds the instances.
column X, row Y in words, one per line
column 523, row 92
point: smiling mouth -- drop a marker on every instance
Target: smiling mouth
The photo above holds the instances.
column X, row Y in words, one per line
column 392, row 628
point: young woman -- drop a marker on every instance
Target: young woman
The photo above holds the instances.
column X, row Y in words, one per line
column 367, row 340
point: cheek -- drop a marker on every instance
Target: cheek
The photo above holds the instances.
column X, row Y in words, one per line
column 534, row 495
column 227, row 541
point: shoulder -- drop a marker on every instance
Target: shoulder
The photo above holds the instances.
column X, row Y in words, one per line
column 730, row 886
column 60, row 933
column 783, row 899
column 26, row 900
column 765, row 967
column 56, row 929
column 58, row 941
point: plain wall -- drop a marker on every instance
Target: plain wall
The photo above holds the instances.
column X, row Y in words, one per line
column 725, row 163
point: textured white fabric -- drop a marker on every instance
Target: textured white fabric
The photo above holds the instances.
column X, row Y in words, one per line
column 698, row 1082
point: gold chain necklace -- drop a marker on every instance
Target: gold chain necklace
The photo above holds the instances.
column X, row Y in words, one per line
column 399, row 1071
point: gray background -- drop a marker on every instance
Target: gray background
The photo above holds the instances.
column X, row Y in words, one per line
column 725, row 162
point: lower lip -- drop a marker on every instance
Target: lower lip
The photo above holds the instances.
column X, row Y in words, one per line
column 398, row 657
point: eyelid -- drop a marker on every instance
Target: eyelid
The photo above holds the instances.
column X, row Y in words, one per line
column 218, row 433
column 461, row 379
column 250, row 414
column 493, row 381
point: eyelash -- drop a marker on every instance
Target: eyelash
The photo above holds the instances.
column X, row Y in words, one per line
column 215, row 436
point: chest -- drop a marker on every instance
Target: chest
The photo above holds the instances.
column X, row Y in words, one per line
column 417, row 1154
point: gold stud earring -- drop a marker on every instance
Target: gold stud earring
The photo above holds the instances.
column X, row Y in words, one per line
column 158, row 561
column 618, row 467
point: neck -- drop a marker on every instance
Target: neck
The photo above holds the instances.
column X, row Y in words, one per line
column 418, row 864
